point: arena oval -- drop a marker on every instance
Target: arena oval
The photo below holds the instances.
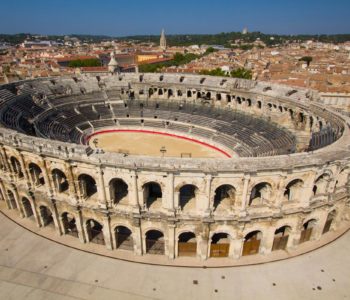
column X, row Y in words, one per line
column 261, row 202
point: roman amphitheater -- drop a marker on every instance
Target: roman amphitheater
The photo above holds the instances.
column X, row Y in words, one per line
column 158, row 167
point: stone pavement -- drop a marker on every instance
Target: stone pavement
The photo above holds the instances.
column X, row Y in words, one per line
column 32, row 267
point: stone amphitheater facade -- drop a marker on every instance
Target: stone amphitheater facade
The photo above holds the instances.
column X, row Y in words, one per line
column 285, row 184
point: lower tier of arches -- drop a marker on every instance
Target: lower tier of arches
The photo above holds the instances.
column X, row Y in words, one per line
column 262, row 240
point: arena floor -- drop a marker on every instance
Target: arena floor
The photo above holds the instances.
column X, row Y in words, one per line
column 33, row 267
column 150, row 143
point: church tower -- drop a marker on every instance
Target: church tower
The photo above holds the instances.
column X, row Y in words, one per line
column 163, row 41
column 113, row 64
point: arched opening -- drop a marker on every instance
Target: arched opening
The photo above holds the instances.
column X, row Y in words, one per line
column 189, row 94
column 36, row 175
column 155, row 242
column 321, row 185
column 152, row 195
column 119, row 191
column 307, row 230
column 123, row 238
column 187, row 244
column 251, row 244
column 69, row 224
column 94, row 232
column 293, row 191
column 220, row 245
column 60, row 181
column 208, row 96
column 46, row 216
column 343, row 178
column 16, row 167
column 179, row 93
column 187, row 197
column 150, row 92
column 281, row 238
column 260, row 193
column 259, row 104
column 170, row 93
column 218, row 97
column 12, row 200
column 160, row 92
column 330, row 219
column 27, row 207
column 87, row 185
column 224, row 197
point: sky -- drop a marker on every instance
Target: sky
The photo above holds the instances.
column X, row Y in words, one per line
column 146, row 17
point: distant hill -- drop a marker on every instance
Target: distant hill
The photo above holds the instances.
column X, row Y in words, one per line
column 190, row 39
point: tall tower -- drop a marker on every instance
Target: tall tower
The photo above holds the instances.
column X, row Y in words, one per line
column 113, row 64
column 162, row 41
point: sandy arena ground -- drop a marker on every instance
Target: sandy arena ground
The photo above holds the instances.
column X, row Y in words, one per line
column 150, row 144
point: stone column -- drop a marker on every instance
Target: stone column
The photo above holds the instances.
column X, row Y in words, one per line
column 24, row 170
column 6, row 161
column 267, row 241
column 203, row 242
column 134, row 199
column 55, row 216
column 208, row 205
column 171, row 241
column 73, row 191
column 107, row 232
column 47, row 177
column 245, row 193
column 18, row 202
column 101, row 191
column 80, row 225
column 170, row 198
column 137, row 236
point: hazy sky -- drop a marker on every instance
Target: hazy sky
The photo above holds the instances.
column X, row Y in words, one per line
column 131, row 17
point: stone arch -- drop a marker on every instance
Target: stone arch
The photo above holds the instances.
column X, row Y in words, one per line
column 155, row 242
column 281, row 237
column 329, row 221
column 307, row 230
column 94, row 232
column 321, row 184
column 119, row 191
column 69, row 224
column 60, row 181
column 46, row 216
column 188, row 197
column 36, row 174
column 224, row 197
column 123, row 238
column 87, row 186
column 187, row 244
column 220, row 245
column 294, row 190
column 27, row 207
column 16, row 167
column 251, row 243
column 260, row 194
column 152, row 195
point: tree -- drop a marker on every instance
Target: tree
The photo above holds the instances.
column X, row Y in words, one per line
column 307, row 59
column 241, row 73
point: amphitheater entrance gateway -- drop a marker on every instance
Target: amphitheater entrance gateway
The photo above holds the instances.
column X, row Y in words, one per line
column 251, row 243
column 281, row 238
column 220, row 245
column 123, row 238
column 329, row 221
column 69, row 225
column 27, row 207
column 187, row 244
column 306, row 233
column 94, row 232
column 155, row 242
column 46, row 216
